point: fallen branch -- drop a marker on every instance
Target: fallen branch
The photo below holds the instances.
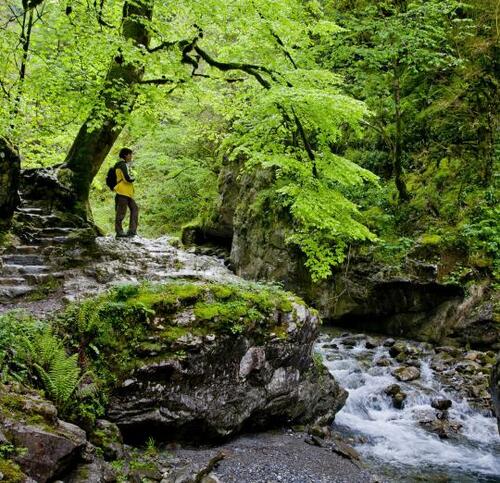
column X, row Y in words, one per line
column 210, row 466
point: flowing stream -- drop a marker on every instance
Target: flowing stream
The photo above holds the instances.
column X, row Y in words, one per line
column 392, row 440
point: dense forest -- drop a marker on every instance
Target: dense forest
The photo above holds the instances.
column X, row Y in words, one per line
column 382, row 114
column 346, row 151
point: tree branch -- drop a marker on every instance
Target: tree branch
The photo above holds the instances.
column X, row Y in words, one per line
column 251, row 69
column 165, row 45
column 159, row 82
column 210, row 466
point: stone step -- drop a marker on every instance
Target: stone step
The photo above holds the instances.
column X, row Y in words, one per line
column 38, row 219
column 31, row 210
column 54, row 231
column 48, row 240
column 24, row 250
column 15, row 291
column 12, row 269
column 12, row 281
column 38, row 278
column 23, row 259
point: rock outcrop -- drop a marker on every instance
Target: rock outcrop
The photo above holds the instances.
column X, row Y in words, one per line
column 203, row 362
column 10, row 167
column 410, row 300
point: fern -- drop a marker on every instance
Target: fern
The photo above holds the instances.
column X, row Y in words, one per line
column 59, row 373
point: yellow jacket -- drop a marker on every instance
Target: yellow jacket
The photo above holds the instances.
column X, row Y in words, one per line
column 125, row 183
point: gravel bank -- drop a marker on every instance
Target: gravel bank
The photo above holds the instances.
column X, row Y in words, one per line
column 278, row 456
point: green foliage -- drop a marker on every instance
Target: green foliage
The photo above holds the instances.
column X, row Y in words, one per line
column 15, row 327
column 31, row 353
column 326, row 94
column 59, row 373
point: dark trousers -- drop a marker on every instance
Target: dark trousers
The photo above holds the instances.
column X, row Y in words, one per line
column 121, row 204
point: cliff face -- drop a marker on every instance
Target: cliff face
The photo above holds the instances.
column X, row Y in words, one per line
column 410, row 300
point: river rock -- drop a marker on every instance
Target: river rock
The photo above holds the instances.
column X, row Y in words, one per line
column 397, row 348
column 389, row 342
column 443, row 427
column 249, row 375
column 441, row 404
column 383, row 362
column 345, row 450
column 468, row 367
column 398, row 397
column 392, row 389
column 371, row 343
column 406, row 374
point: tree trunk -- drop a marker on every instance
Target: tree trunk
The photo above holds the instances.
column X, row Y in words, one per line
column 105, row 122
column 397, row 150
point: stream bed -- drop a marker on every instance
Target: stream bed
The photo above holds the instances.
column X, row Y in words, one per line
column 415, row 442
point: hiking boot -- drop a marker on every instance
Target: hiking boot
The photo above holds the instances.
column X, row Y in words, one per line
column 121, row 235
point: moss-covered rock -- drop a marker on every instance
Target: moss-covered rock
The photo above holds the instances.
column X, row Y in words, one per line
column 197, row 361
column 44, row 446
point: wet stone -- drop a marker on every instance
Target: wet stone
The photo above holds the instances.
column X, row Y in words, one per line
column 406, row 374
column 441, row 404
column 393, row 389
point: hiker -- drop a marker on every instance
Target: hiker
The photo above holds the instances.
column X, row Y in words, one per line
column 124, row 197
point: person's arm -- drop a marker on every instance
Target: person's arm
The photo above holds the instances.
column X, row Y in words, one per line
column 122, row 165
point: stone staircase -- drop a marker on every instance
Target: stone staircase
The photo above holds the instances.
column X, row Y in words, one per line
column 55, row 257
column 29, row 266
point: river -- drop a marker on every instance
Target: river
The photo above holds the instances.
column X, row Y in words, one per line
column 391, row 440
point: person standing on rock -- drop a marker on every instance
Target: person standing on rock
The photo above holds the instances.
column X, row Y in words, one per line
column 124, row 197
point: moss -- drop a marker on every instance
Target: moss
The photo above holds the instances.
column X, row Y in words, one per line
column 174, row 333
column 11, row 472
column 222, row 292
column 430, row 239
column 14, row 405
column 231, row 310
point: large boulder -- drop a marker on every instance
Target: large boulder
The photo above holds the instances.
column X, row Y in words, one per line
column 204, row 361
column 10, row 167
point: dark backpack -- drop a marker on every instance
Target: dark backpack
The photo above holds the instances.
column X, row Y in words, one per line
column 111, row 178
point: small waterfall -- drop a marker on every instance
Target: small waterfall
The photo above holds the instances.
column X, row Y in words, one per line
column 393, row 438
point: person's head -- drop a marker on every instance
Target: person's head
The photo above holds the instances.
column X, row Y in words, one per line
column 126, row 154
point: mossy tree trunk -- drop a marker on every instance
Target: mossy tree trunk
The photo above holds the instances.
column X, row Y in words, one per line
column 10, row 167
column 118, row 94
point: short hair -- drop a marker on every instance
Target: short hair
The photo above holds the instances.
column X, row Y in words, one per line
column 124, row 152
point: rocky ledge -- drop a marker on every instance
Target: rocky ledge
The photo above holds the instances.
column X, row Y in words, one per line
column 204, row 361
